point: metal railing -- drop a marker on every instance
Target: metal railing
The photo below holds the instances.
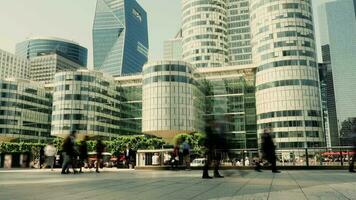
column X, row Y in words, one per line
column 313, row 156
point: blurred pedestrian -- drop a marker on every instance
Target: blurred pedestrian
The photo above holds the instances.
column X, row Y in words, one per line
column 128, row 156
column 269, row 149
column 99, row 153
column 175, row 156
column 186, row 154
column 42, row 157
column 353, row 138
column 50, row 152
column 83, row 153
column 69, row 153
column 212, row 141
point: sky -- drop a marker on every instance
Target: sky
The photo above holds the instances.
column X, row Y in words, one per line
column 73, row 20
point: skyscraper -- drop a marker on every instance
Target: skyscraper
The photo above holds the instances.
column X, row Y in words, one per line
column 287, row 85
column 38, row 46
column 204, row 31
column 239, row 35
column 172, row 49
column 338, row 34
column 120, row 37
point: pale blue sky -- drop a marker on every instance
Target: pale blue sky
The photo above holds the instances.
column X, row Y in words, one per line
column 73, row 19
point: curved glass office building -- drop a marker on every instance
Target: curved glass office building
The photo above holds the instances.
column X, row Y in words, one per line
column 87, row 102
column 204, row 31
column 48, row 45
column 171, row 102
column 287, row 80
column 25, row 111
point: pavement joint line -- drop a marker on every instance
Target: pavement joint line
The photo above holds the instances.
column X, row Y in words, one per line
column 270, row 186
column 242, row 186
column 300, row 187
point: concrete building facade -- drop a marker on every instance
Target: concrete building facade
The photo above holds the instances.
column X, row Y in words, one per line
column 43, row 68
column 12, row 66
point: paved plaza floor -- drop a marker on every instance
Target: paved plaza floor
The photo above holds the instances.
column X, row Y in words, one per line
column 171, row 185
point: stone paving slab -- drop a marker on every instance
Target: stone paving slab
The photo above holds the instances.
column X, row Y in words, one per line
column 177, row 185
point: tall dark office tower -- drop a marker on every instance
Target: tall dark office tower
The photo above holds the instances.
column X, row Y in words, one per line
column 338, row 27
column 120, row 37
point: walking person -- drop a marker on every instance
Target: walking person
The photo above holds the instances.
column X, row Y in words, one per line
column 269, row 149
column 353, row 138
column 83, row 153
column 50, row 152
column 42, row 157
column 212, row 141
column 99, row 153
column 175, row 156
column 128, row 156
column 186, row 154
column 68, row 153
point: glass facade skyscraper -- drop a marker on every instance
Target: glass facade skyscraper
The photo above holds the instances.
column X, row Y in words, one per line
column 287, row 81
column 339, row 20
column 120, row 37
column 49, row 45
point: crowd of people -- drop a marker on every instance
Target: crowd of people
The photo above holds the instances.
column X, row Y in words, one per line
column 214, row 143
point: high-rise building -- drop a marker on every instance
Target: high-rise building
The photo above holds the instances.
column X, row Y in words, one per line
column 49, row 45
column 43, row 68
column 287, row 81
column 25, row 111
column 338, row 34
column 239, row 35
column 120, row 37
column 204, row 32
column 172, row 49
column 328, row 97
column 12, row 66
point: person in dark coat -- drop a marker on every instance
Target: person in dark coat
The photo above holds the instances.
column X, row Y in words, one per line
column 214, row 141
column 68, row 153
column 42, row 157
column 269, row 149
column 99, row 153
column 128, row 155
column 83, row 153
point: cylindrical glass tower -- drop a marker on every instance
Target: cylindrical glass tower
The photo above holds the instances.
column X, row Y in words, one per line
column 171, row 102
column 204, row 32
column 287, row 83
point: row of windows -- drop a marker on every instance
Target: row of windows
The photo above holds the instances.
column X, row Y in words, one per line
column 15, row 96
column 79, row 77
column 81, row 97
column 292, row 82
column 26, row 107
column 168, row 78
column 85, row 127
column 283, row 63
column 283, row 145
column 25, row 123
column 167, row 68
column 23, row 132
column 289, row 113
column 285, row 124
column 313, row 134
